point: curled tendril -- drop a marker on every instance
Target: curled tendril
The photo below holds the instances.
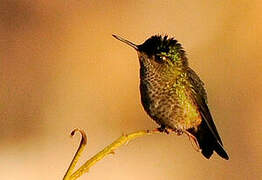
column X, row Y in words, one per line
column 83, row 135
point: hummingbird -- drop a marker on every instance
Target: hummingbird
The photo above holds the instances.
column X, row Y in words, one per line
column 173, row 95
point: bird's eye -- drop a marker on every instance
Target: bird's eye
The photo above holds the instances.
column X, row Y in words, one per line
column 160, row 58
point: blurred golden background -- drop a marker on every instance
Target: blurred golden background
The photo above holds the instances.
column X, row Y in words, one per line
column 61, row 68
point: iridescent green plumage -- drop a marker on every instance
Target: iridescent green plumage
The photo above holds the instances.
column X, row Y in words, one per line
column 173, row 95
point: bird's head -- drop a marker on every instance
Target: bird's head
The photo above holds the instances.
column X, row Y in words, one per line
column 160, row 50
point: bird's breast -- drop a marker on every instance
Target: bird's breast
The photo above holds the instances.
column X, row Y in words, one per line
column 168, row 102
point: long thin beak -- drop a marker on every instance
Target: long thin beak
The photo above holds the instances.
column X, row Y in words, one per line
column 126, row 41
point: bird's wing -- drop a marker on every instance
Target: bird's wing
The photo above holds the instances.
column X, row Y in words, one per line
column 198, row 93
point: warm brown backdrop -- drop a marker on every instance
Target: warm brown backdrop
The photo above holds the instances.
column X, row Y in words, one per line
column 60, row 68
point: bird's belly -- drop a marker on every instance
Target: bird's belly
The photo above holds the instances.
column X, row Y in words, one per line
column 171, row 108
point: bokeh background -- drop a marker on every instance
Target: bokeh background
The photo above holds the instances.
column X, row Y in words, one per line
column 60, row 68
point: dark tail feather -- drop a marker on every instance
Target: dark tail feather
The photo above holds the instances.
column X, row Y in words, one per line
column 208, row 142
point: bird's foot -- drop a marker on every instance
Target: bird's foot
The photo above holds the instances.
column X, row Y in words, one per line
column 163, row 129
column 178, row 132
